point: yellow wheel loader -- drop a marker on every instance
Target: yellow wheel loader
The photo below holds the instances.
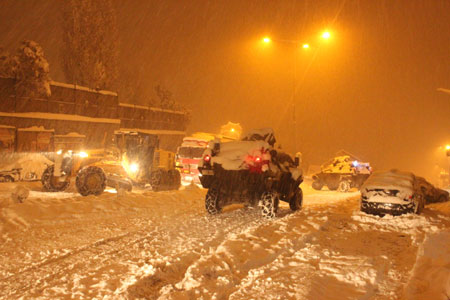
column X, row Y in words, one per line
column 92, row 174
column 145, row 163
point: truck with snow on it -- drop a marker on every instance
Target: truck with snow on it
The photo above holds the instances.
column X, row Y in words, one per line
column 189, row 155
column 252, row 172
column 341, row 173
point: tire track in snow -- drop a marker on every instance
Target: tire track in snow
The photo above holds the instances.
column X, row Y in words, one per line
column 221, row 271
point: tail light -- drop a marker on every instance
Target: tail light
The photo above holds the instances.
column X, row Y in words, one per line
column 259, row 162
column 207, row 158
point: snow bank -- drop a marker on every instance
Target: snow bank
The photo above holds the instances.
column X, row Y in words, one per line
column 408, row 223
column 31, row 163
column 431, row 274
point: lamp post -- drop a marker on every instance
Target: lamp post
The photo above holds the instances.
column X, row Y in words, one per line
column 325, row 35
column 447, row 151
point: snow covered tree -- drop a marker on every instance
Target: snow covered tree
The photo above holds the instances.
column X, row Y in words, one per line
column 90, row 40
column 165, row 97
column 8, row 64
column 31, row 71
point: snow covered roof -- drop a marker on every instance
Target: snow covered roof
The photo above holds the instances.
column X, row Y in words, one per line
column 71, row 134
column 393, row 180
column 82, row 88
column 64, row 117
column 150, row 131
column 6, row 126
column 151, row 108
column 204, row 136
column 36, row 128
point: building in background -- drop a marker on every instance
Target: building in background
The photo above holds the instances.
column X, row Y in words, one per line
column 76, row 115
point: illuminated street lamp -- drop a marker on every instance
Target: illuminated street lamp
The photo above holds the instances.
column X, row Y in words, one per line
column 305, row 46
column 266, row 40
column 326, row 35
column 447, row 150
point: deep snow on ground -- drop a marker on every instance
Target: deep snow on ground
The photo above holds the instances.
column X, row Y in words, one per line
column 148, row 245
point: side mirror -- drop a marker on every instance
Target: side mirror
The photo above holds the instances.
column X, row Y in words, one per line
column 297, row 161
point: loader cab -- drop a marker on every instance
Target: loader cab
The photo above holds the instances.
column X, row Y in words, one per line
column 144, row 162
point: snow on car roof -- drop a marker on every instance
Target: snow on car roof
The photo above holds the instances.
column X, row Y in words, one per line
column 262, row 132
column 233, row 154
column 393, row 179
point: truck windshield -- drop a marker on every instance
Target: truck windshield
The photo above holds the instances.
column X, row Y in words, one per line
column 193, row 152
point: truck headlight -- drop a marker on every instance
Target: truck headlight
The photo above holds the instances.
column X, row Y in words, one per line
column 134, row 167
column 83, row 154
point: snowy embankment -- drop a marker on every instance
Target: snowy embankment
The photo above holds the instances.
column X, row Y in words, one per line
column 164, row 245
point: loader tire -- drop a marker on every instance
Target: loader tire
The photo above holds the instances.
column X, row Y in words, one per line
column 49, row 183
column 175, row 179
column 91, row 180
column 158, row 179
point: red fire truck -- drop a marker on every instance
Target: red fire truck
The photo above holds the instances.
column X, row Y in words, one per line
column 189, row 155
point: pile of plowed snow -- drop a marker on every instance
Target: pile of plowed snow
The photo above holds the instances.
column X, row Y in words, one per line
column 56, row 207
column 30, row 163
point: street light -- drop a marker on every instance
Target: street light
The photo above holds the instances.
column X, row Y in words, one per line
column 305, row 46
column 448, row 158
column 326, row 35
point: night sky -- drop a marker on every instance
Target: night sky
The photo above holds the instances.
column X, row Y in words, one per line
column 370, row 89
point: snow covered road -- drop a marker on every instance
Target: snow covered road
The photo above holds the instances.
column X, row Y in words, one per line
column 148, row 245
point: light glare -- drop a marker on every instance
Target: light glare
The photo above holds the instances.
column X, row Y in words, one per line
column 83, row 154
column 266, row 40
column 326, row 35
column 134, row 168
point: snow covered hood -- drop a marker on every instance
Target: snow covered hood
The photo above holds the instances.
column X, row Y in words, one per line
column 390, row 180
column 233, row 154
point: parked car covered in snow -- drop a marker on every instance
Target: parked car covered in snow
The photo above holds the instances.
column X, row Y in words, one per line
column 250, row 171
column 431, row 193
column 392, row 192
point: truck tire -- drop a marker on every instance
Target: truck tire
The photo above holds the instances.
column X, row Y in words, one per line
column 91, row 180
column 296, row 201
column 212, row 201
column 175, row 179
column 158, row 179
column 333, row 185
column 317, row 185
column 49, row 183
column 269, row 204
column 344, row 186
